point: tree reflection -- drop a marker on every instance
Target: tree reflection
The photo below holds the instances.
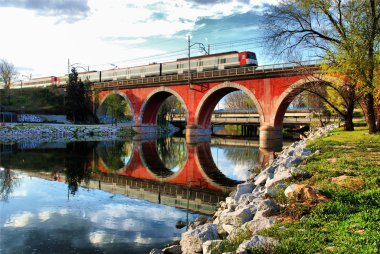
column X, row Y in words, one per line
column 172, row 152
column 115, row 154
column 78, row 164
column 8, row 181
column 243, row 156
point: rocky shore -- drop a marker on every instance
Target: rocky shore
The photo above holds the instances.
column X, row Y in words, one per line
column 56, row 133
column 251, row 207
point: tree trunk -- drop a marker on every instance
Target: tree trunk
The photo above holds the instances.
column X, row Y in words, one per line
column 378, row 118
column 369, row 107
column 349, row 116
column 348, row 123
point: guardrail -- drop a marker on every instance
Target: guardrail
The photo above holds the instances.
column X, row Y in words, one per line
column 197, row 76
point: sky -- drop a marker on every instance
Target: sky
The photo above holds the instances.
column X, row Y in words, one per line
column 41, row 37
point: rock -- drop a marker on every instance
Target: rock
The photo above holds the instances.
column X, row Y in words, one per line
column 174, row 249
column 255, row 241
column 243, row 189
column 303, row 193
column 245, row 199
column 238, row 217
column 332, row 160
column 291, row 161
column 202, row 219
column 317, row 152
column 274, row 190
column 156, row 251
column 299, row 174
column 209, row 245
column 281, row 174
column 228, row 228
column 192, row 240
column 267, row 207
column 259, row 191
column 261, row 178
column 180, row 224
column 256, row 225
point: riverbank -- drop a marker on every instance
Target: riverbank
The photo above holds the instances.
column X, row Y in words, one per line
column 14, row 133
column 320, row 195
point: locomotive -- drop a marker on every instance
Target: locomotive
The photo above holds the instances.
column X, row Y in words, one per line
column 232, row 59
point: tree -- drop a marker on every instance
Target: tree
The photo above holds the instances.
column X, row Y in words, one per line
column 238, row 99
column 77, row 98
column 7, row 73
column 116, row 107
column 345, row 33
column 168, row 109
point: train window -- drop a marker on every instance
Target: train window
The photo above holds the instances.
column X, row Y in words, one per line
column 243, row 56
column 200, row 63
column 223, row 60
column 252, row 56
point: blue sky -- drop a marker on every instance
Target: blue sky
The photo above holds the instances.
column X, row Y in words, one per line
column 39, row 36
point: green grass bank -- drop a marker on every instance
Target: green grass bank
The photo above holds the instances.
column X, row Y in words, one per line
column 33, row 100
column 345, row 167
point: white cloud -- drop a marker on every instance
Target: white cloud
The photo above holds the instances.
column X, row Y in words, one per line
column 19, row 220
column 111, row 31
column 44, row 215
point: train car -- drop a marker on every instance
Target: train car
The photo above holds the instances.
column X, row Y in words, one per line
column 218, row 61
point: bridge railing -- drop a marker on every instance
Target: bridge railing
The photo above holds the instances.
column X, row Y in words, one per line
column 195, row 76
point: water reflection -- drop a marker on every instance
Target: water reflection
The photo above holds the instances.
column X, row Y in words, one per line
column 112, row 195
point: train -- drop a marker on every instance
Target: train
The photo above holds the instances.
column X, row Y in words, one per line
column 219, row 61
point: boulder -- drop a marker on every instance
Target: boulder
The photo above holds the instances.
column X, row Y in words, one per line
column 243, row 189
column 267, row 207
column 228, row 228
column 281, row 174
column 209, row 245
column 303, row 193
column 238, row 217
column 202, row 219
column 274, row 190
column 258, row 224
column 174, row 249
column 255, row 241
column 192, row 240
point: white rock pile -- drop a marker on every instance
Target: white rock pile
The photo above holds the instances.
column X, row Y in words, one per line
column 251, row 206
column 56, row 133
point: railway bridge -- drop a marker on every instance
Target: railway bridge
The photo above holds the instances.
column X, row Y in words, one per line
column 271, row 88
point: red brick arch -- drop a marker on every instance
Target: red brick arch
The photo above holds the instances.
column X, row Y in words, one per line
column 151, row 105
column 214, row 95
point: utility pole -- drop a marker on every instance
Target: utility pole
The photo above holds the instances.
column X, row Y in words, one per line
column 202, row 48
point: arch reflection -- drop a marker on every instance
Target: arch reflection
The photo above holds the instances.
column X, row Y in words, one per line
column 188, row 178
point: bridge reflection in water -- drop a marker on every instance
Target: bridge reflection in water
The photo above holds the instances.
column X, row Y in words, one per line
column 166, row 171
column 187, row 178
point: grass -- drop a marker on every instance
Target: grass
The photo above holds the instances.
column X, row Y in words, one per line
column 350, row 221
column 33, row 101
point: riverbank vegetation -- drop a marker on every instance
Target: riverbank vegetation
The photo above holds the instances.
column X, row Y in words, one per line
column 49, row 100
column 345, row 167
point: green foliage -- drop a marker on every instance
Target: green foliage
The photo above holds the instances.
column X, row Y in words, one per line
column 230, row 245
column 167, row 110
column 350, row 221
column 172, row 152
column 114, row 154
column 77, row 98
column 116, row 107
column 33, row 101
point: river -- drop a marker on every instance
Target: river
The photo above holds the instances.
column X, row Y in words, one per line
column 119, row 196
